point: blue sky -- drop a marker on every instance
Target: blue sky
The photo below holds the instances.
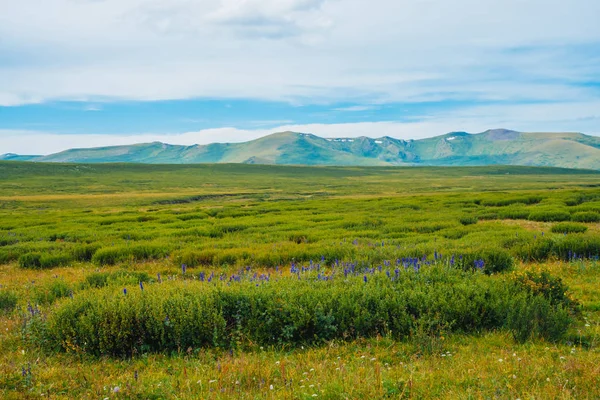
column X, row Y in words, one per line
column 83, row 73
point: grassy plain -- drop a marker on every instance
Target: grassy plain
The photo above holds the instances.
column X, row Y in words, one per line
column 90, row 231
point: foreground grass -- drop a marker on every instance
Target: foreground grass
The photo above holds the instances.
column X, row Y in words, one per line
column 489, row 366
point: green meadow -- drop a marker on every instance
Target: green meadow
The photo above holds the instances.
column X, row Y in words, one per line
column 251, row 282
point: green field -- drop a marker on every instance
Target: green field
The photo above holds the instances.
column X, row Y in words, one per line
column 250, row 281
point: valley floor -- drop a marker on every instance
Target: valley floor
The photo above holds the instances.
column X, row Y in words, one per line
column 85, row 232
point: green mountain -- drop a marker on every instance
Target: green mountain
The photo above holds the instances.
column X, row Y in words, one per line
column 499, row 146
column 16, row 157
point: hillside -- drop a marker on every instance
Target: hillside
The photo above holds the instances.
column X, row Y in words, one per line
column 500, row 146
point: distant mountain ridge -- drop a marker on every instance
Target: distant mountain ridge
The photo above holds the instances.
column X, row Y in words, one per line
column 496, row 146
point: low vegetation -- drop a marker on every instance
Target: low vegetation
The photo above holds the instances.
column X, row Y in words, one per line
column 206, row 282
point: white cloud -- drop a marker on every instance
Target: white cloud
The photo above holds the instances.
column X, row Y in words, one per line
column 297, row 50
column 355, row 108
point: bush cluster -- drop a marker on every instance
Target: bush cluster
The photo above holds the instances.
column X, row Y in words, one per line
column 550, row 216
column 177, row 316
column 138, row 252
column 565, row 248
column 569, row 227
column 44, row 260
column 98, row 280
column 502, row 202
column 586, row 216
column 494, row 260
column 468, row 220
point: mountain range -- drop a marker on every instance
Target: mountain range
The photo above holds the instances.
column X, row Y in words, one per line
column 497, row 146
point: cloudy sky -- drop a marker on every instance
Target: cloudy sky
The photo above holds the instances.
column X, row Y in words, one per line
column 81, row 73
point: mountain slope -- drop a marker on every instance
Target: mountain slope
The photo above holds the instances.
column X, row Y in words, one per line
column 499, row 146
column 17, row 157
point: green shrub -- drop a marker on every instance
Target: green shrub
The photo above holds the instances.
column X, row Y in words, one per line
column 180, row 315
column 549, row 286
column 48, row 261
column 488, row 216
column 116, row 324
column 528, row 200
column 8, row 241
column 549, row 216
column 8, row 301
column 514, row 214
column 494, row 260
column 430, row 227
column 110, row 255
column 455, row 234
column 567, row 227
column 536, row 250
column 31, row 261
column 468, row 220
column 148, row 252
column 298, row 238
column 96, row 280
column 582, row 198
column 221, row 230
column 101, row 279
column 532, row 317
column 8, row 255
column 586, row 216
column 565, row 248
column 189, row 217
column 194, row 258
column 44, row 261
column 227, row 258
column 85, row 253
column 577, row 246
column 117, row 254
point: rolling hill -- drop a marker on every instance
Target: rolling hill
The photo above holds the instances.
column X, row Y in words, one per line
column 498, row 146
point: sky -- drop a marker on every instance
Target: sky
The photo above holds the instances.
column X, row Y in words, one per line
column 86, row 73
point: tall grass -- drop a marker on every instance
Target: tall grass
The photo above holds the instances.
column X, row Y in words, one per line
column 291, row 311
